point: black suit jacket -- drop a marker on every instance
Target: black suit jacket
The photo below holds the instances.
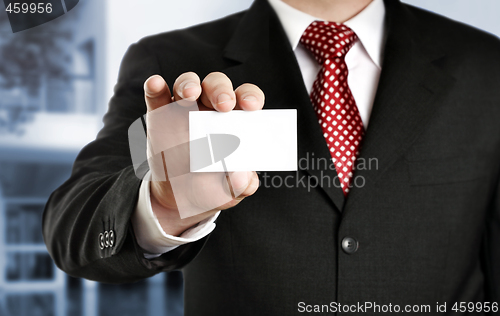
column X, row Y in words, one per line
column 427, row 219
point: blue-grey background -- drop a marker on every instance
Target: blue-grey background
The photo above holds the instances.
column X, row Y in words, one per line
column 55, row 81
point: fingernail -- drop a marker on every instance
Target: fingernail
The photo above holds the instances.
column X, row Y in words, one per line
column 222, row 98
column 184, row 86
column 250, row 98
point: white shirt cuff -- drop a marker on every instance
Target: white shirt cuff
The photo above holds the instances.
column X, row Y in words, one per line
column 151, row 236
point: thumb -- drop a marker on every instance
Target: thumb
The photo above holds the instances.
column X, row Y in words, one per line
column 156, row 92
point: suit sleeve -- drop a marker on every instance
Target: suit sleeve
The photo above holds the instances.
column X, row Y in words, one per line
column 102, row 193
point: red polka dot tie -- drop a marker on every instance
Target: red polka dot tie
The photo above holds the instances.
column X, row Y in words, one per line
column 331, row 97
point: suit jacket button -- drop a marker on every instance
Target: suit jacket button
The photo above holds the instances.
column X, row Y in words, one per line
column 106, row 239
column 111, row 238
column 101, row 241
column 349, row 245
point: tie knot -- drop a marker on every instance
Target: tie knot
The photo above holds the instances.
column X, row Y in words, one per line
column 328, row 40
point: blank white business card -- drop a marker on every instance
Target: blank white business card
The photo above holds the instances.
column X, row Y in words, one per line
column 267, row 140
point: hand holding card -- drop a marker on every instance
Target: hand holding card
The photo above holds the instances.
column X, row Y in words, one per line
column 181, row 198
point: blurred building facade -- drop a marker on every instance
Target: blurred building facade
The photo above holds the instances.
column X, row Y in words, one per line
column 52, row 98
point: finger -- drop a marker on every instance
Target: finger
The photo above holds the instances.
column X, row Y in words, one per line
column 249, row 179
column 156, row 92
column 249, row 97
column 217, row 92
column 187, row 87
column 252, row 185
column 238, row 181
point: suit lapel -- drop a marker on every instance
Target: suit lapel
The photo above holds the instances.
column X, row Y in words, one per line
column 410, row 89
column 266, row 59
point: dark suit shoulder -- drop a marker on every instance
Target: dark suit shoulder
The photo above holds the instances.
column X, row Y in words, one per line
column 468, row 54
column 198, row 48
column 456, row 37
column 213, row 34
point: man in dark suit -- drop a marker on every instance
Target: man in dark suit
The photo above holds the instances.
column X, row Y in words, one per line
column 420, row 230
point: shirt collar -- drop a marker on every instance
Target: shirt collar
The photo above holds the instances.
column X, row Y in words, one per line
column 368, row 26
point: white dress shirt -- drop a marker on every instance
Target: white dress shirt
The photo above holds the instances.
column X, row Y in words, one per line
column 364, row 61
